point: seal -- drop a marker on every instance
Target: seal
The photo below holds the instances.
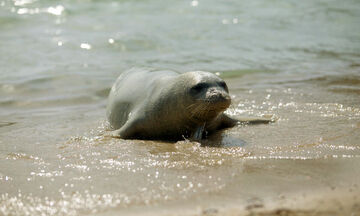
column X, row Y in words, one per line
column 166, row 105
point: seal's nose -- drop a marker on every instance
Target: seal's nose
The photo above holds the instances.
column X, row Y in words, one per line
column 216, row 95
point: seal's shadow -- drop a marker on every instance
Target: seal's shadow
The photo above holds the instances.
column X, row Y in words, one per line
column 220, row 139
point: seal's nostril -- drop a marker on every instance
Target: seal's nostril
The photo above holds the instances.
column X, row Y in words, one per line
column 218, row 97
column 227, row 97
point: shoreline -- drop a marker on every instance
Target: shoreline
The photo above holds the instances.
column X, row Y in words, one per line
column 337, row 202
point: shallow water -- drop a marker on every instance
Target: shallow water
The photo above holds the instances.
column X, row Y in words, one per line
column 296, row 60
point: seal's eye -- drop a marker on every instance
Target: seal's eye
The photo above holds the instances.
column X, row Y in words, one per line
column 198, row 87
column 223, row 85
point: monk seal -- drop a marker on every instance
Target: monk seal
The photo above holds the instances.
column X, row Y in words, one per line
column 161, row 104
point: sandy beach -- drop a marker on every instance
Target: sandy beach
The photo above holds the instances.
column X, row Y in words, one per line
column 298, row 61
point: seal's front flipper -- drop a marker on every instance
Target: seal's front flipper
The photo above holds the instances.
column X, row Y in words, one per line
column 197, row 135
column 227, row 121
column 128, row 130
column 257, row 120
column 119, row 133
column 113, row 134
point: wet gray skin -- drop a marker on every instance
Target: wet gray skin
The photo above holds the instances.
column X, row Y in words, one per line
column 159, row 104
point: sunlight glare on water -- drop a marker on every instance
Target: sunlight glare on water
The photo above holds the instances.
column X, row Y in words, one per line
column 295, row 61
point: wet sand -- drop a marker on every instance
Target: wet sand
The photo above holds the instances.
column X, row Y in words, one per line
column 296, row 60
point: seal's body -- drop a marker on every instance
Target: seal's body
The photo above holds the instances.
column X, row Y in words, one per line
column 160, row 104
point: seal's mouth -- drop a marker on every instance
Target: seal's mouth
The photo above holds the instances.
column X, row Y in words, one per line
column 219, row 103
column 218, row 98
column 206, row 110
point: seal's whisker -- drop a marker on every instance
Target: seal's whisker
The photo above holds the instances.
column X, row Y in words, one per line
column 190, row 109
column 205, row 109
column 190, row 106
column 197, row 109
column 204, row 100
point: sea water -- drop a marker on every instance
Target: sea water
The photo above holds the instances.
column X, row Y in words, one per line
column 296, row 60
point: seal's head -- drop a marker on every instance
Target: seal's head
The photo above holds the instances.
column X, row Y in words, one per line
column 208, row 95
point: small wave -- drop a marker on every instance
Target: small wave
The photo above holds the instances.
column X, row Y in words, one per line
column 5, row 124
column 103, row 92
column 348, row 84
